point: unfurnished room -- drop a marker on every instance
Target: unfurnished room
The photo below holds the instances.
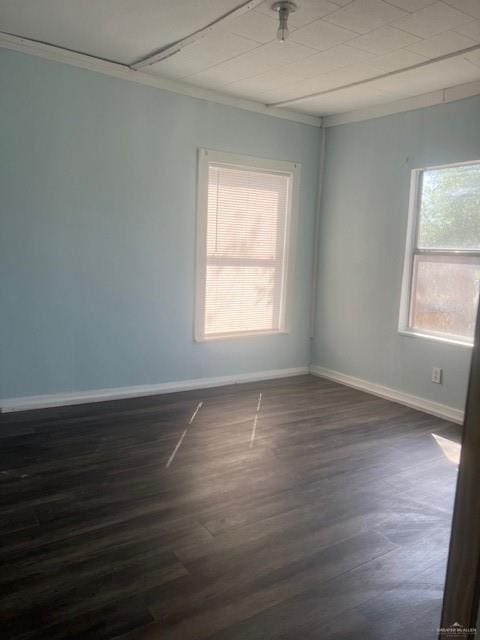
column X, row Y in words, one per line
column 239, row 347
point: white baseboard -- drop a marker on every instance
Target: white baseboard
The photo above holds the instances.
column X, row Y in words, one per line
column 409, row 400
column 26, row 403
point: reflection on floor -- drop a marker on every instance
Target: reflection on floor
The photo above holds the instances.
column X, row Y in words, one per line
column 294, row 508
column 450, row 448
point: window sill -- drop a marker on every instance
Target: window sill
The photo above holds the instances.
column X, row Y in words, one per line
column 239, row 336
column 429, row 336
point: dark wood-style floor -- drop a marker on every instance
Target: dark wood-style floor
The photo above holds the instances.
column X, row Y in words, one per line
column 323, row 514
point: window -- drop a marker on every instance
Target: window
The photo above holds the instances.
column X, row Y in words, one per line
column 442, row 263
column 244, row 245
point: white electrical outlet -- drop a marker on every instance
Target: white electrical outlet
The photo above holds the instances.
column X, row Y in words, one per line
column 437, row 375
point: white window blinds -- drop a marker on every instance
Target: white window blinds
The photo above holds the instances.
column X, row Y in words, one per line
column 243, row 251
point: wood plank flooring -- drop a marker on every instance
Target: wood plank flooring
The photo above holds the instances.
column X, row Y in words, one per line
column 293, row 508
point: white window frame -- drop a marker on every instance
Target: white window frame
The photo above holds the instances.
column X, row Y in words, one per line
column 292, row 169
column 411, row 250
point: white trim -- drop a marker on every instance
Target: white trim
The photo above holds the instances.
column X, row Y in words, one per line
column 449, row 165
column 291, row 234
column 289, row 169
column 201, row 246
column 413, row 208
column 248, row 162
column 26, row 403
column 442, row 96
column 123, row 72
column 216, row 337
column 409, row 400
column 430, row 336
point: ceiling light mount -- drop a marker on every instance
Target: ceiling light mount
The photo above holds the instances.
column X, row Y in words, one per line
column 283, row 8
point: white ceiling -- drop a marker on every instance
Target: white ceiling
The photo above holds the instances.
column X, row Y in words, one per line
column 332, row 43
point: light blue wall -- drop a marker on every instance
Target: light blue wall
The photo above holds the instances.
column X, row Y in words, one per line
column 97, row 235
column 363, row 229
column 97, row 238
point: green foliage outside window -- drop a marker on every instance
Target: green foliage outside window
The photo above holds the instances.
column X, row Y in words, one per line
column 450, row 208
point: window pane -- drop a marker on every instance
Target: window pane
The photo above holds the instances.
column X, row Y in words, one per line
column 445, row 294
column 247, row 213
column 241, row 298
column 450, row 208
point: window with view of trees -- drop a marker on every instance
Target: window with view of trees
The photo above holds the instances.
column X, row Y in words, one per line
column 442, row 267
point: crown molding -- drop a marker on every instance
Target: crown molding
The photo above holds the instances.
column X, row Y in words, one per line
column 123, row 72
column 442, row 96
